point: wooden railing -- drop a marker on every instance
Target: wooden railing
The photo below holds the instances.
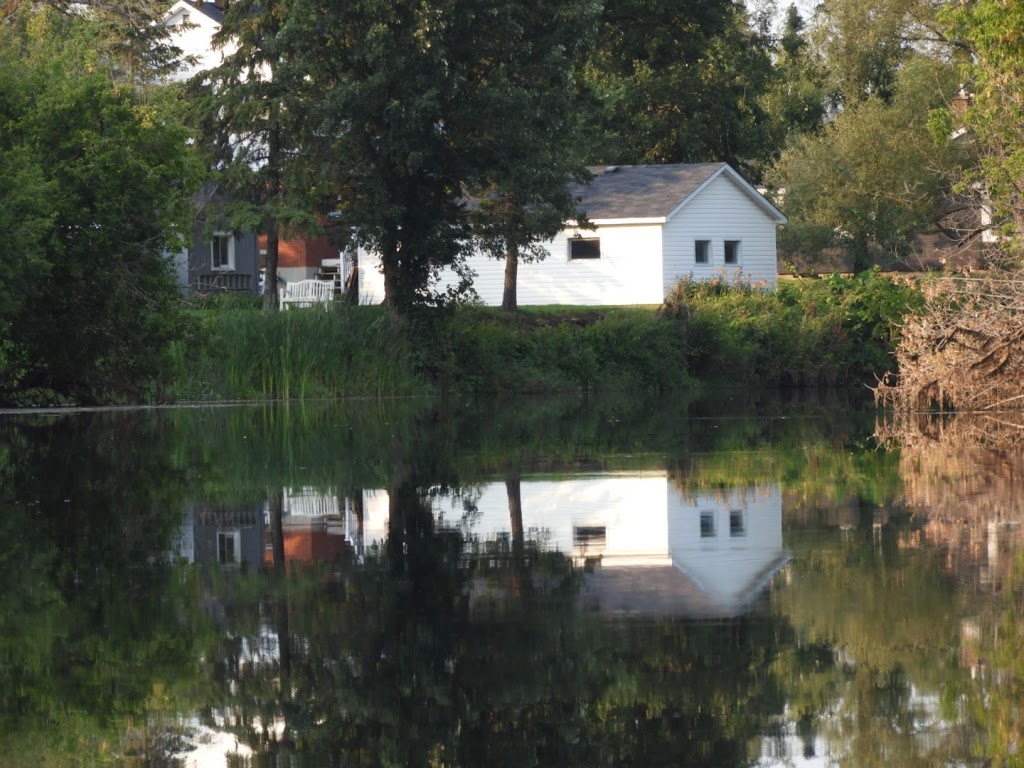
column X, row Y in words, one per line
column 224, row 282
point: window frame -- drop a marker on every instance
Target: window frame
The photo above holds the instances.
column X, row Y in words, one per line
column 228, row 264
column 734, row 246
column 737, row 523
column 708, row 524
column 584, row 240
column 234, row 556
column 702, row 251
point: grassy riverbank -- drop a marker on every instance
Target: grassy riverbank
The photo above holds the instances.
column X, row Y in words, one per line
column 807, row 333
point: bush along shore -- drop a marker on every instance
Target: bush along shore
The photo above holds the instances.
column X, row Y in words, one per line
column 832, row 332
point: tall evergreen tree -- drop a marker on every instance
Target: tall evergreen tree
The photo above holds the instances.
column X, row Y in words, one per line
column 251, row 109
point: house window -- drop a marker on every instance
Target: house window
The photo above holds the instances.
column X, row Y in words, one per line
column 732, row 251
column 585, row 248
column 229, row 547
column 707, row 525
column 701, row 251
column 737, row 525
column 222, row 248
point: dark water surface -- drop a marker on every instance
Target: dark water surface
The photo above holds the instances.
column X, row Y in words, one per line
column 749, row 582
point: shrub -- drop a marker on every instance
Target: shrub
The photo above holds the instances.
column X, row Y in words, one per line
column 833, row 331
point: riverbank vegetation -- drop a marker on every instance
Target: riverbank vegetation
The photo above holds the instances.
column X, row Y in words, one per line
column 105, row 153
column 807, row 333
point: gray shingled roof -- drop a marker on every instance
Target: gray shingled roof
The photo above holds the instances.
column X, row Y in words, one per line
column 211, row 10
column 641, row 191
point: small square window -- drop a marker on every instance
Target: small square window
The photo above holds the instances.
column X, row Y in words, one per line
column 585, row 248
column 701, row 251
column 222, row 249
column 737, row 525
column 732, row 251
column 707, row 525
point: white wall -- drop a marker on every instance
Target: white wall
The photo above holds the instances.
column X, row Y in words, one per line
column 194, row 39
column 721, row 212
column 631, row 269
column 727, row 563
column 628, row 272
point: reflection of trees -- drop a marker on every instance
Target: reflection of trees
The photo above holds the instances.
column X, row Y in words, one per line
column 877, row 629
column 964, row 475
column 96, row 627
column 392, row 663
column 388, row 662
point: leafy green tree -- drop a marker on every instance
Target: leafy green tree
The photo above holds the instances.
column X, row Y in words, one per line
column 679, row 82
column 105, row 183
column 128, row 39
column 532, row 120
column 873, row 175
column 391, row 81
column 996, row 117
column 864, row 44
column 795, row 101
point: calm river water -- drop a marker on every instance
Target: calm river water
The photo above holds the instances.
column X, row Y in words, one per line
column 572, row 582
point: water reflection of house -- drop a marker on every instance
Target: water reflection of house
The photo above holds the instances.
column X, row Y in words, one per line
column 653, row 549
column 315, row 526
column 221, row 534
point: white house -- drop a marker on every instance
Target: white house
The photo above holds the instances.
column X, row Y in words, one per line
column 653, row 225
column 655, row 550
column 191, row 26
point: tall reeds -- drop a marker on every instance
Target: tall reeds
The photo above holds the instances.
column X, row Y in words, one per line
column 330, row 351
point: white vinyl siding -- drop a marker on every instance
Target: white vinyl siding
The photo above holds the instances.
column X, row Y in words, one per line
column 192, row 33
column 721, row 212
column 639, row 262
column 628, row 272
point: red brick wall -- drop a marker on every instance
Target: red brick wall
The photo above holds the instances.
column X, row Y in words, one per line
column 301, row 252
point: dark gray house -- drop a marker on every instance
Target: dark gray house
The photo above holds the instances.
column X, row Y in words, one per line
column 219, row 259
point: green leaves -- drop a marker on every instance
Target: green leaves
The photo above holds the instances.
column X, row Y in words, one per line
column 104, row 178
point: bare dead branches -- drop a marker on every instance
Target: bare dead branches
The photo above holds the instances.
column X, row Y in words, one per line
column 965, row 352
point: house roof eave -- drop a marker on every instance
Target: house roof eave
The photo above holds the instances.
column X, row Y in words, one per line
column 619, row 222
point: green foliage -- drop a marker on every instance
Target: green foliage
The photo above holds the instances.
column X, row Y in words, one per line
column 104, row 178
column 251, row 118
column 559, row 351
column 794, row 101
column 249, row 354
column 995, row 73
column 679, row 83
column 873, row 175
column 834, row 331
column 529, row 120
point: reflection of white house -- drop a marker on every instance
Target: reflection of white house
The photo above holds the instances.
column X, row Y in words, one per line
column 654, row 550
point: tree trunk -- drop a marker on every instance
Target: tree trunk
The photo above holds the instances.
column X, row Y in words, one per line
column 270, row 279
column 352, row 280
column 272, row 224
column 508, row 296
column 515, row 513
